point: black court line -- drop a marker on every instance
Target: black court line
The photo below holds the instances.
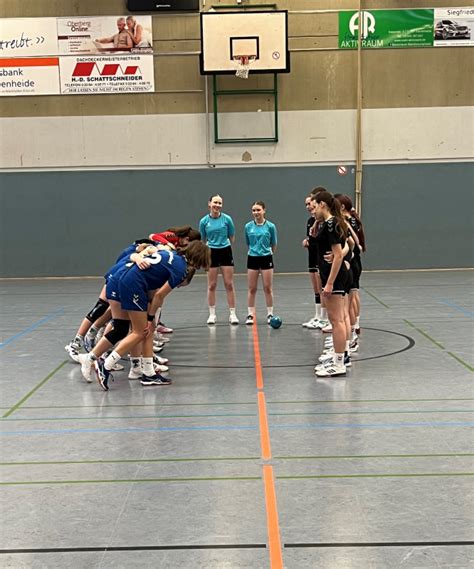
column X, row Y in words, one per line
column 134, row 548
column 409, row 346
column 383, row 544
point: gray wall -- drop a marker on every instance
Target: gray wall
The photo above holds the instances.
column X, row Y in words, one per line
column 75, row 223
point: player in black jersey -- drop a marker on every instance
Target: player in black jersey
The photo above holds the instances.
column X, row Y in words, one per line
column 331, row 238
column 357, row 231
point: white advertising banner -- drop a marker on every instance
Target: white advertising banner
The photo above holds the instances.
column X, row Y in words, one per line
column 107, row 74
column 29, row 76
column 28, row 36
column 105, row 35
column 453, row 26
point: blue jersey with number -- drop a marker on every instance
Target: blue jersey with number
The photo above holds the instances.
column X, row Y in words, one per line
column 260, row 238
column 216, row 231
column 165, row 267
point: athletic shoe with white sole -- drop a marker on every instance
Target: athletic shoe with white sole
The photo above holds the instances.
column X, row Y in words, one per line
column 118, row 367
column 160, row 368
column 311, row 321
column 135, row 372
column 326, row 357
column 157, row 349
column 233, row 319
column 347, row 361
column 269, row 317
column 162, row 329
column 212, row 319
column 156, row 379
column 327, row 329
column 331, row 370
column 323, row 323
column 249, row 320
column 73, row 349
column 161, row 361
column 86, row 367
column 89, row 342
column 312, row 324
column 103, row 375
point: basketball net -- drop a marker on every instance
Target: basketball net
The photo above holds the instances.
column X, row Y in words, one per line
column 243, row 65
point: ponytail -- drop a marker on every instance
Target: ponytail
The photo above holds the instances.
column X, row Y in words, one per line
column 335, row 208
column 347, row 203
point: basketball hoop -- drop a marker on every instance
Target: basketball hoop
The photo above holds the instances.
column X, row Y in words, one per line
column 243, row 65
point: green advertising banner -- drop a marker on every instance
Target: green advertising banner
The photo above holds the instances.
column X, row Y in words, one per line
column 387, row 28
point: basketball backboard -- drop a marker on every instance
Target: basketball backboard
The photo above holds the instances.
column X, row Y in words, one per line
column 228, row 36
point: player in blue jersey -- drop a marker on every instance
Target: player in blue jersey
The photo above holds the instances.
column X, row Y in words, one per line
column 218, row 231
column 261, row 239
column 100, row 313
column 135, row 296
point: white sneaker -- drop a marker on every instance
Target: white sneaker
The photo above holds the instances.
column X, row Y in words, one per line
column 212, row 319
column 233, row 319
column 312, row 324
column 249, row 320
column 161, row 361
column 331, row 370
column 135, row 372
column 162, row 339
column 159, row 368
column 72, row 350
column 329, row 343
column 323, row 323
column 310, row 321
column 157, row 349
column 327, row 329
column 87, row 367
column 117, row 367
column 326, row 357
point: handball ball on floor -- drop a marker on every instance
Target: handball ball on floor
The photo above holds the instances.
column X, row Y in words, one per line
column 275, row 322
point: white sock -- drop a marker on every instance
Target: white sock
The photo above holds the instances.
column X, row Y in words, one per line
column 79, row 339
column 324, row 313
column 232, row 311
column 339, row 359
column 317, row 312
column 136, row 362
column 91, row 357
column 212, row 310
column 251, row 310
column 358, row 322
column 269, row 310
column 111, row 360
column 147, row 366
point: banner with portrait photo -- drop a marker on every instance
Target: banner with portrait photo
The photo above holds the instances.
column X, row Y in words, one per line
column 453, row 27
column 104, row 35
column 108, row 74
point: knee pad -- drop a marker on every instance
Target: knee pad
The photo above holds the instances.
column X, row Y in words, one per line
column 119, row 331
column 98, row 310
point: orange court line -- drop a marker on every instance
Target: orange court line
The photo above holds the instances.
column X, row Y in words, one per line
column 30, row 62
column 274, row 541
column 264, row 430
column 258, row 361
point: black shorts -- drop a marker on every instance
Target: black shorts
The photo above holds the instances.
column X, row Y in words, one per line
column 340, row 284
column 349, row 281
column 313, row 260
column 222, row 257
column 260, row 263
column 356, row 267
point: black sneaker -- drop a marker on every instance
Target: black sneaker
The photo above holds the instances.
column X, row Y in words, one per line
column 156, row 379
column 103, row 375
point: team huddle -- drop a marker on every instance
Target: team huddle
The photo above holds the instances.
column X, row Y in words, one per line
column 126, row 319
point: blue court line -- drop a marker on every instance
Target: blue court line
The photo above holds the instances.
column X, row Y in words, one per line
column 32, row 327
column 238, row 428
column 466, row 312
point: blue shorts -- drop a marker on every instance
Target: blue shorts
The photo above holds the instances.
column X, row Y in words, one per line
column 112, row 288
column 133, row 297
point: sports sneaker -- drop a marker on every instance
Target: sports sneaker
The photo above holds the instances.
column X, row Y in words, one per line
column 233, row 319
column 159, row 368
column 212, row 319
column 160, row 339
column 86, row 367
column 327, row 329
column 157, row 349
column 118, row 367
column 310, row 321
column 347, row 360
column 135, row 372
column 161, row 361
column 357, row 331
column 249, row 320
column 103, row 375
column 326, row 356
column 73, row 349
column 322, row 324
column 329, row 342
column 89, row 343
column 312, row 324
column 353, row 347
column 162, row 329
column 269, row 317
column 331, row 370
column 156, row 379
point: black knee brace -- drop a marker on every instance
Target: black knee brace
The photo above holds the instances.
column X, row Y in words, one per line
column 119, row 331
column 98, row 310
